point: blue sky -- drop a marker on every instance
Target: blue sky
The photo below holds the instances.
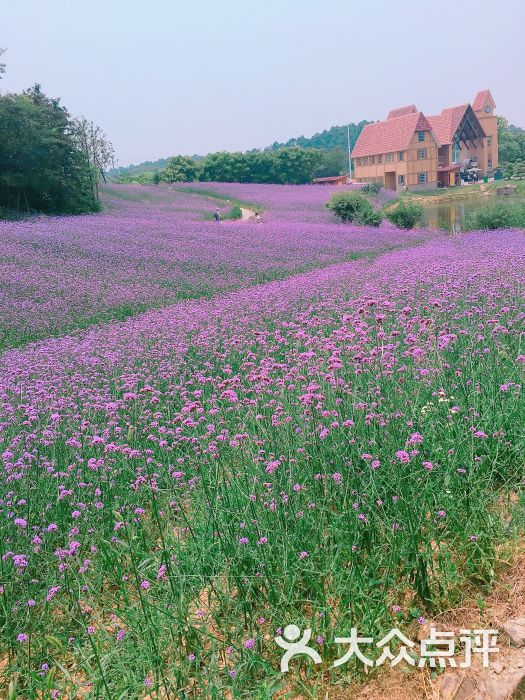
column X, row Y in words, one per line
column 180, row 76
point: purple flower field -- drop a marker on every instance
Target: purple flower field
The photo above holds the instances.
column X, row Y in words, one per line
column 330, row 449
column 153, row 247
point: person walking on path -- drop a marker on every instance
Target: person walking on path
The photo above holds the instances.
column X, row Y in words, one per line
column 258, row 217
column 217, row 215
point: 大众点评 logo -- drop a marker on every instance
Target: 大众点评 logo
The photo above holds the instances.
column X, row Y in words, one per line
column 438, row 649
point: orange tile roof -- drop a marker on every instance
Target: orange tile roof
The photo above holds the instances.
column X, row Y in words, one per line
column 393, row 134
column 481, row 99
column 445, row 124
column 402, row 111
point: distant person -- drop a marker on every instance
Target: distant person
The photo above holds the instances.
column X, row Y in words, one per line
column 258, row 217
column 217, row 215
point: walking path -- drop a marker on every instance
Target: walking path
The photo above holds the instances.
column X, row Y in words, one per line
column 247, row 213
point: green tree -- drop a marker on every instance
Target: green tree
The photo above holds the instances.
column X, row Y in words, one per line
column 95, row 146
column 2, row 65
column 295, row 166
column 519, row 169
column 42, row 167
column 225, row 167
column 285, row 166
column 180, row 169
column 511, row 142
column 334, row 161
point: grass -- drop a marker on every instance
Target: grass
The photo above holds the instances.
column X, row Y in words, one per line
column 453, row 194
column 233, row 214
column 140, row 194
column 205, row 192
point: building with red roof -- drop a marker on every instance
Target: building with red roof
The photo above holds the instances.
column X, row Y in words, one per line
column 409, row 150
column 332, row 180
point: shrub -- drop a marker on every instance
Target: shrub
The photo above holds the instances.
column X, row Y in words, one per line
column 372, row 187
column 371, row 217
column 353, row 207
column 235, row 212
column 406, row 215
column 495, row 216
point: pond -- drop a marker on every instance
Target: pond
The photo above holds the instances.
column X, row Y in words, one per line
column 450, row 216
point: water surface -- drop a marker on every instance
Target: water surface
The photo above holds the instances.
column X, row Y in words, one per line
column 450, row 216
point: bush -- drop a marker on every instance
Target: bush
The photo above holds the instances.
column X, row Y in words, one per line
column 353, row 207
column 235, row 212
column 372, row 187
column 406, row 215
column 495, row 216
column 371, row 217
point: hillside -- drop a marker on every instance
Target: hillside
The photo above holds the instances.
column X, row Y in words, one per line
column 148, row 166
column 335, row 137
column 145, row 167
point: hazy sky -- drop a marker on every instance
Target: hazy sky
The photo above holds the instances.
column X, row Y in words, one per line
column 194, row 76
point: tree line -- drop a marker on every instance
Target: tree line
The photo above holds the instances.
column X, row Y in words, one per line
column 334, row 138
column 49, row 161
column 286, row 166
column 297, row 161
column 511, row 142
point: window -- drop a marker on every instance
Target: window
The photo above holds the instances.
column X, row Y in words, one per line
column 489, row 164
column 365, row 160
column 421, row 135
column 401, row 155
column 489, row 140
column 389, row 157
column 373, row 160
column 379, row 159
column 421, row 153
column 456, row 152
column 359, row 161
column 400, row 179
column 422, row 178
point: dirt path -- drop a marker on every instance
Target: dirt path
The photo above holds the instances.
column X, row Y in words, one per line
column 247, row 213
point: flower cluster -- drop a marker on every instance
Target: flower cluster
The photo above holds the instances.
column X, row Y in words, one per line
column 324, row 445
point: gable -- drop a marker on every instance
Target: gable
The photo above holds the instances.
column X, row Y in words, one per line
column 445, row 124
column 483, row 98
column 391, row 135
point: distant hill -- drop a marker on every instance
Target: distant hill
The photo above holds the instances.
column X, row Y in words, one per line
column 148, row 166
column 335, row 137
